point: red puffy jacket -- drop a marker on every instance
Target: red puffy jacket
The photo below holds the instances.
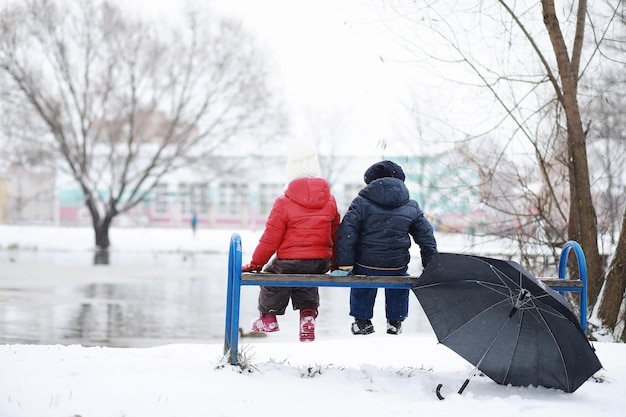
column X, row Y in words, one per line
column 302, row 224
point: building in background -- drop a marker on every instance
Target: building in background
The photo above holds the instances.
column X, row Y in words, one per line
column 241, row 198
column 4, row 192
column 30, row 197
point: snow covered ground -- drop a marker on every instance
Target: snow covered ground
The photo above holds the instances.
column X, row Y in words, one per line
column 150, row 240
column 371, row 375
column 375, row 375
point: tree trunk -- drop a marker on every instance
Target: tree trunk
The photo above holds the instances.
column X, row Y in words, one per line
column 100, row 223
column 615, row 285
column 102, row 235
column 101, row 230
column 101, row 257
column 580, row 188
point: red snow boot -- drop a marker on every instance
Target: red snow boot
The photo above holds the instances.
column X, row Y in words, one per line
column 307, row 324
column 266, row 323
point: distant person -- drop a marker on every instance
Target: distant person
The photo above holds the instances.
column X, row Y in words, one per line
column 374, row 239
column 301, row 230
column 194, row 223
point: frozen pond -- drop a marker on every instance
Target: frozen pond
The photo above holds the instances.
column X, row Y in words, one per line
column 144, row 299
column 161, row 286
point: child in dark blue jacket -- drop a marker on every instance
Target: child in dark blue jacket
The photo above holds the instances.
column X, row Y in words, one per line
column 374, row 239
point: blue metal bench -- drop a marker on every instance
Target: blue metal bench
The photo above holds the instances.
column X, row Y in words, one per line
column 563, row 285
column 236, row 279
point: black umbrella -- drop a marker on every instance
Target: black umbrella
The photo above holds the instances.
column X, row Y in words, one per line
column 504, row 321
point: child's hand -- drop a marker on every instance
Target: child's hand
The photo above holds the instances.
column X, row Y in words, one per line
column 251, row 268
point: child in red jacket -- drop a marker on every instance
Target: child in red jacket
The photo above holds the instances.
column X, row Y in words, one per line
column 301, row 230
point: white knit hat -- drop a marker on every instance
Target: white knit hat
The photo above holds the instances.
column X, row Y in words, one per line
column 302, row 161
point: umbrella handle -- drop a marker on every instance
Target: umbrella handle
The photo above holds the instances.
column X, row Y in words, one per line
column 441, row 397
column 438, row 392
column 463, row 386
column 480, row 361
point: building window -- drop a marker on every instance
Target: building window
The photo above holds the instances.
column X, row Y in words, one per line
column 232, row 199
column 160, row 199
column 267, row 196
column 194, row 198
column 184, row 197
column 200, row 198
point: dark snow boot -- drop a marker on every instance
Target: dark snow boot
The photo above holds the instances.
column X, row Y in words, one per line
column 394, row 326
column 362, row 327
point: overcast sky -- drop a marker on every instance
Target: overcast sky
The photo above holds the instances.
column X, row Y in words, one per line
column 335, row 61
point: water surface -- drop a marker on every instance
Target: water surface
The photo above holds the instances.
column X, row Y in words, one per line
column 145, row 299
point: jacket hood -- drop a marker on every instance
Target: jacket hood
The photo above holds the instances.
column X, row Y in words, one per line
column 309, row 192
column 386, row 192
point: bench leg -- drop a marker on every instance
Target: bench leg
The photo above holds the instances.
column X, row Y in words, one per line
column 582, row 272
column 233, row 300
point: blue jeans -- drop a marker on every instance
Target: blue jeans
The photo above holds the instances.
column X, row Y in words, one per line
column 362, row 299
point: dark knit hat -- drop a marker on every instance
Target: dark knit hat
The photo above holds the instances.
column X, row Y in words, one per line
column 383, row 169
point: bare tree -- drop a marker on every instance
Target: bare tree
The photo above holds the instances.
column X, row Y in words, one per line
column 612, row 136
column 582, row 224
column 121, row 102
column 531, row 60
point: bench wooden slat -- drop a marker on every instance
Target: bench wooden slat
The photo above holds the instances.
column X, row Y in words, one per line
column 559, row 282
column 250, row 278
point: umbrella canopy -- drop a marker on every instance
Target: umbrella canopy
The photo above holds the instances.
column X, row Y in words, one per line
column 504, row 321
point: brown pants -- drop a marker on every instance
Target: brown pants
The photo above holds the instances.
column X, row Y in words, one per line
column 274, row 300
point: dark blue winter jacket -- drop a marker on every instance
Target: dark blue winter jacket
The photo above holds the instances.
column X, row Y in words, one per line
column 375, row 230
